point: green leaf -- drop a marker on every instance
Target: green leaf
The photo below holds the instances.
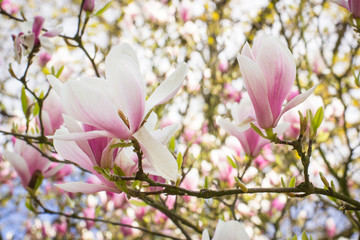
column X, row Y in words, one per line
column 318, row 118
column 231, row 162
column 294, row 238
column 137, row 203
column 206, row 184
column 257, row 130
column 172, row 144
column 118, row 171
column 102, row 10
column 120, row 145
column 97, row 211
column 179, row 160
column 24, row 102
column 59, row 71
column 36, row 109
column 29, row 205
column 304, row 236
column 292, row 182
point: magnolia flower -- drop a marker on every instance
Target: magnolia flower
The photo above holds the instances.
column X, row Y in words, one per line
column 269, row 71
column 117, row 106
column 352, row 6
column 250, row 141
column 30, row 37
column 29, row 163
column 231, row 230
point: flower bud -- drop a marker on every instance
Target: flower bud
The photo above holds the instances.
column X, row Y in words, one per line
column 89, row 5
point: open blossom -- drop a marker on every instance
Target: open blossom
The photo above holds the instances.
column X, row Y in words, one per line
column 269, row 72
column 117, row 106
column 29, row 163
column 352, row 6
column 230, row 230
column 25, row 41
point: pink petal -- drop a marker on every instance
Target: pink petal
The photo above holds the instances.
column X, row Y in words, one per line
column 37, row 25
column 20, row 166
column 342, row 3
column 157, row 154
column 278, row 66
column 89, row 101
column 296, row 101
column 168, row 88
column 256, row 86
column 87, row 188
column 123, row 73
column 71, row 151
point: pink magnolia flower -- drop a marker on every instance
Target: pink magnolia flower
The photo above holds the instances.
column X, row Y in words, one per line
column 51, row 114
column 30, row 37
column 269, row 71
column 230, row 230
column 251, row 142
column 28, row 162
column 352, row 6
column 117, row 106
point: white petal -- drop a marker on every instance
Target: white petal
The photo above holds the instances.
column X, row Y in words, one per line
column 231, row 230
column 86, row 188
column 55, row 83
column 205, row 235
column 88, row 100
column 123, row 73
column 151, row 121
column 157, row 154
column 168, row 88
column 296, row 101
column 164, row 134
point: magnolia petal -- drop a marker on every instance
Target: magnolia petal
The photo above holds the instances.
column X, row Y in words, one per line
column 123, row 73
column 164, row 135
column 231, row 128
column 246, row 51
column 91, row 104
column 53, row 170
column 296, row 101
column 80, row 135
column 243, row 112
column 205, row 235
column 20, row 166
column 87, row 188
column 168, row 88
column 342, row 3
column 55, row 83
column 279, row 68
column 231, row 230
column 151, row 121
column 256, row 87
column 71, row 151
column 157, row 154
